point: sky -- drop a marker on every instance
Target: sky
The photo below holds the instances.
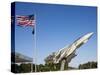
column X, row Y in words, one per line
column 57, row 26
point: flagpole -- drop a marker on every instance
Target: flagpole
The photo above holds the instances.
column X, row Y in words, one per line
column 33, row 55
column 34, row 50
column 35, row 43
column 34, row 47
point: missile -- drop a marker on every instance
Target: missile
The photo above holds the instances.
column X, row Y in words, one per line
column 67, row 51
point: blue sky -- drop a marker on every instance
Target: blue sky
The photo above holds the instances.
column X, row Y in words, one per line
column 57, row 26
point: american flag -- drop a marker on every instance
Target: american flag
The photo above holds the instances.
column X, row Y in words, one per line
column 26, row 20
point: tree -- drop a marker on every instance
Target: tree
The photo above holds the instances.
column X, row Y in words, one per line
column 49, row 59
column 25, row 68
column 88, row 65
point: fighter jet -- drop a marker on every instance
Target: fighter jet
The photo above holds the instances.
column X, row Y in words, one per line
column 69, row 52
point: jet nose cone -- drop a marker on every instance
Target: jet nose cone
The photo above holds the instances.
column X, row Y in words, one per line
column 89, row 35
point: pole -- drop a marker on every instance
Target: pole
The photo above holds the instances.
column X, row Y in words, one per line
column 62, row 65
column 35, row 59
column 32, row 66
column 35, row 52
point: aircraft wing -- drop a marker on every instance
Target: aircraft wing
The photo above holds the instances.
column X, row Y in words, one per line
column 57, row 54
